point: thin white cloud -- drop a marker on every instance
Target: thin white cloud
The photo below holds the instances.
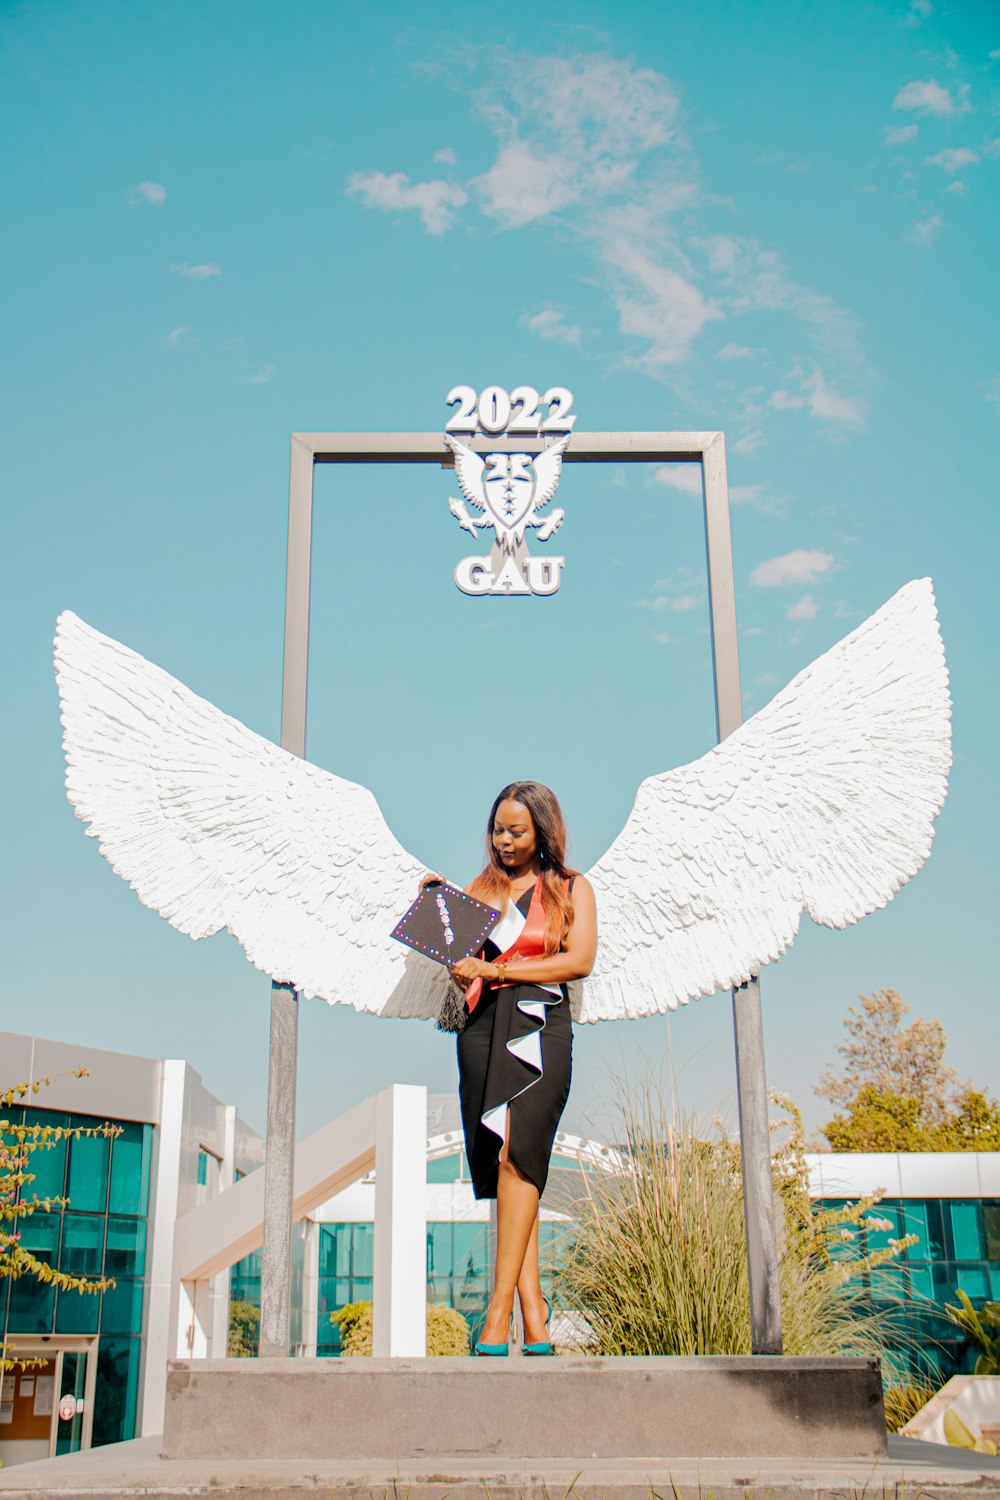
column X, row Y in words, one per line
column 662, row 637
column 202, row 272
column 686, row 477
column 181, row 337
column 926, row 231
column 926, row 96
column 657, row 306
column 954, row 159
column 828, row 405
column 436, row 202
column 898, row 135
column 549, row 323
column 746, row 494
column 522, row 185
column 258, row 377
column 806, row 608
column 597, row 144
column 148, row 192
column 992, row 390
column 823, row 402
column 783, row 400
column 957, row 187
column 446, row 156
column 799, row 566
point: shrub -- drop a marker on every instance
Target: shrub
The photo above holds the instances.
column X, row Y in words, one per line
column 244, row 1330
column 447, row 1330
column 655, row 1260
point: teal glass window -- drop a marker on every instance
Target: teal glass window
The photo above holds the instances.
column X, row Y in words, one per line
column 125, row 1254
column 470, row 1251
column 914, row 1215
column 202, row 1168
column 444, row 1169
column 32, row 1306
column 40, row 1234
column 363, row 1250
column 334, row 1250
column 82, row 1244
column 921, row 1282
column 48, row 1161
column 121, row 1307
column 77, row 1312
column 974, row 1281
column 118, row 1362
column 87, row 1184
column 878, row 1239
column 991, row 1224
column 967, row 1231
column 130, row 1157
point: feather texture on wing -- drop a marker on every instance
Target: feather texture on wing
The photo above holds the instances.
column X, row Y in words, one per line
column 215, row 827
column 468, row 471
column 824, row 801
column 548, row 467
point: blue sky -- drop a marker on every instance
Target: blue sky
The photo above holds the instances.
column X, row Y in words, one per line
column 228, row 222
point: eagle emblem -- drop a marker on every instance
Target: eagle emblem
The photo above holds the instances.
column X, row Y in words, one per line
column 509, row 489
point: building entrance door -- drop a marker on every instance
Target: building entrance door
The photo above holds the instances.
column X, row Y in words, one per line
column 48, row 1408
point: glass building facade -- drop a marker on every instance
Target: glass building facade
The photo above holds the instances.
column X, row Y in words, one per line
column 101, row 1231
column 958, row 1247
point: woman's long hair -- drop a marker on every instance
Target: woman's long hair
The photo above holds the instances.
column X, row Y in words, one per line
column 492, row 884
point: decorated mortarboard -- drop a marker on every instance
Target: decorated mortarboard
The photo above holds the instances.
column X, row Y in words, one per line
column 445, row 924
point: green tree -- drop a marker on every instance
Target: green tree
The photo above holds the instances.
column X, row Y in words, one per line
column 886, row 1121
column 883, row 1054
column 18, row 1143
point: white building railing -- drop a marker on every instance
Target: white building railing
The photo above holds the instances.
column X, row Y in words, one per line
column 386, row 1134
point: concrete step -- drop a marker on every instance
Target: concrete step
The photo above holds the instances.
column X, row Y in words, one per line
column 575, row 1409
column 135, row 1471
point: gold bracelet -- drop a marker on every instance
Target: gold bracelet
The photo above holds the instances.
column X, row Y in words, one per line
column 501, row 973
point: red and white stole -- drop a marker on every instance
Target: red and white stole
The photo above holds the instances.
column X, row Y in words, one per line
column 517, row 933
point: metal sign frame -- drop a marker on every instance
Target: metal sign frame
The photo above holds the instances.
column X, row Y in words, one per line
column 708, row 449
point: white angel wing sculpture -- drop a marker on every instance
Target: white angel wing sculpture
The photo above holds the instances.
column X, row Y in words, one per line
column 468, row 471
column 824, row 801
column 216, row 828
column 548, row 467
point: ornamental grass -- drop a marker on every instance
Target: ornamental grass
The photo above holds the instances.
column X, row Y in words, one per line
column 654, row 1250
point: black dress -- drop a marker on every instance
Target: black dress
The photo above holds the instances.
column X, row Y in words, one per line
column 516, row 1055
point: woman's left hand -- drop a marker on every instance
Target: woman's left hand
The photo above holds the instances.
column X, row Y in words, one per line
column 468, row 969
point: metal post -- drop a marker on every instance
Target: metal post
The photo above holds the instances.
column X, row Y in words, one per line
column 751, row 1081
column 276, row 1251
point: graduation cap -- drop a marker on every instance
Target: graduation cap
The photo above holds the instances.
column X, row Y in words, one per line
column 445, row 924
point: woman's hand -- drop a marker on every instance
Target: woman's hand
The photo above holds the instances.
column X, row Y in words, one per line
column 430, row 879
column 468, row 969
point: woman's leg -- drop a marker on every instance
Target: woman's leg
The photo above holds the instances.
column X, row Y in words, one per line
column 517, row 1217
column 529, row 1292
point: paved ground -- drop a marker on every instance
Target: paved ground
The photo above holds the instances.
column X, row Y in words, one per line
column 135, row 1471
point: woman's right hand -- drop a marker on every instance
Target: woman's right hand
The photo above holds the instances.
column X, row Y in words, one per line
column 429, row 879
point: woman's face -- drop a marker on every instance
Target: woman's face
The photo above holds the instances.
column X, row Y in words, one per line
column 514, row 836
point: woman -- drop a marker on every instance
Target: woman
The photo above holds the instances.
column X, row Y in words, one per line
column 515, row 1053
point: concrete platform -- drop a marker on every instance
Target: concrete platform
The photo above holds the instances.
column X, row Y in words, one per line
column 135, row 1471
column 578, row 1409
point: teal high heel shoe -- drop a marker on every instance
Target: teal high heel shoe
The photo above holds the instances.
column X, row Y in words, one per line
column 498, row 1351
column 544, row 1346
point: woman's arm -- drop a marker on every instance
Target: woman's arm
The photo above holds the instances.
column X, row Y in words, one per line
column 574, row 962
